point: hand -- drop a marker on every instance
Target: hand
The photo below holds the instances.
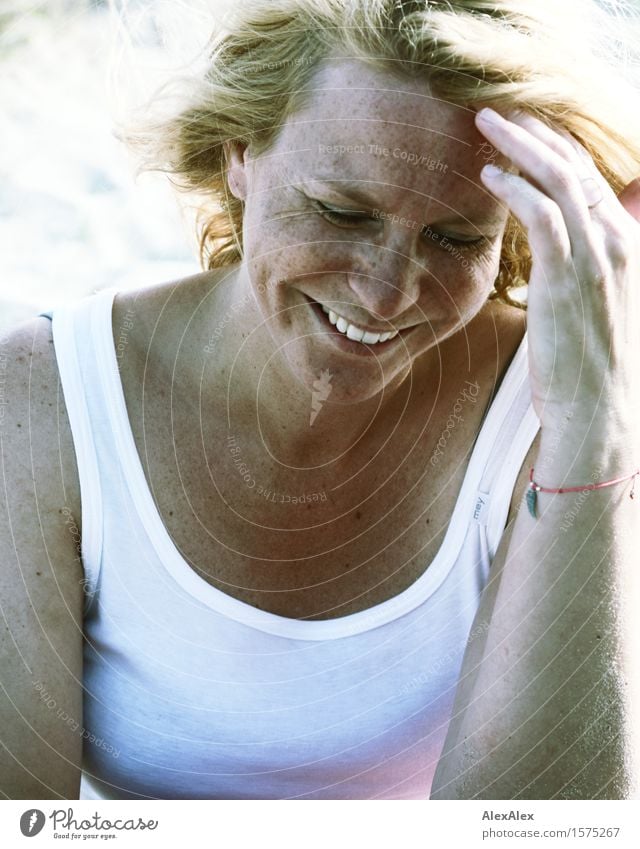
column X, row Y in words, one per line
column 583, row 317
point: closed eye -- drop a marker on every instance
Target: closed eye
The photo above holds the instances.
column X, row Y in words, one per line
column 444, row 239
column 342, row 217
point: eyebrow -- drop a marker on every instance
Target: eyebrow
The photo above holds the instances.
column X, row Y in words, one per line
column 353, row 189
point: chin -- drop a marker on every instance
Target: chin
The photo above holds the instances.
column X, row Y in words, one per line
column 338, row 379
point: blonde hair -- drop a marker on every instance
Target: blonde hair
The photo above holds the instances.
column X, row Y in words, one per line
column 569, row 64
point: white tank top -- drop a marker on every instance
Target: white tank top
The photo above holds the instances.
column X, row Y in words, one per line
column 192, row 694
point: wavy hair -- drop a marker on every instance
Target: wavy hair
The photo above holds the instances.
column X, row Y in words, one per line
column 571, row 64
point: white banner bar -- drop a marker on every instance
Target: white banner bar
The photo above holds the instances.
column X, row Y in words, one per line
column 320, row 825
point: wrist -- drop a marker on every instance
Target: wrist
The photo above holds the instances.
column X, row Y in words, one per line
column 584, row 457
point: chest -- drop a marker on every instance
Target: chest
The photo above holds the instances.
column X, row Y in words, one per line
column 312, row 544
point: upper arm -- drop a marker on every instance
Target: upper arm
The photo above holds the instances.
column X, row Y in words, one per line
column 41, row 575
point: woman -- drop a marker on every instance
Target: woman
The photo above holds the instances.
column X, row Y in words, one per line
column 290, row 475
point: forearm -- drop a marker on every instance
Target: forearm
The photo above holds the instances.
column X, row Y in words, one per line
column 547, row 707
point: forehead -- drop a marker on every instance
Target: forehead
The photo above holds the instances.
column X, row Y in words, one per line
column 353, row 90
column 387, row 133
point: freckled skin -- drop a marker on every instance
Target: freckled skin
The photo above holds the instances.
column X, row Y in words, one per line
column 377, row 271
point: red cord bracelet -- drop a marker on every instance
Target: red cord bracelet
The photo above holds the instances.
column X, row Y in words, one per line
column 535, row 488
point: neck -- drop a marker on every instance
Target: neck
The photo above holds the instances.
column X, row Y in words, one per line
column 305, row 421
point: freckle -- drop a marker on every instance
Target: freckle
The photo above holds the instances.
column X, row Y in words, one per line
column 597, row 636
column 428, row 520
column 171, row 512
column 38, row 573
column 358, row 514
column 19, row 425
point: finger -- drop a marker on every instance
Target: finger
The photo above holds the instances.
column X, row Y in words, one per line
column 564, row 144
column 590, row 165
column 629, row 197
column 606, row 213
column 554, row 139
column 541, row 217
column 616, row 226
column 554, row 175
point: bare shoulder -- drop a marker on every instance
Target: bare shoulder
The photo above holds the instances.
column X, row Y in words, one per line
column 486, row 345
column 40, row 574
column 34, row 420
column 147, row 305
column 502, row 328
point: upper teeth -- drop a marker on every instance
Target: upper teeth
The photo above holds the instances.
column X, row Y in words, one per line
column 357, row 333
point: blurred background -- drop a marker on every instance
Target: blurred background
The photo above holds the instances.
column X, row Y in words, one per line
column 74, row 218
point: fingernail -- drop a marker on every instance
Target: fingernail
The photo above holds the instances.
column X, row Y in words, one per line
column 492, row 171
column 489, row 115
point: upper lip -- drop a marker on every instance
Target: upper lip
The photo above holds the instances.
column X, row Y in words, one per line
column 363, row 326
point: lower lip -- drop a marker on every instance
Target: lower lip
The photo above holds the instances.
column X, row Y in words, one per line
column 350, row 345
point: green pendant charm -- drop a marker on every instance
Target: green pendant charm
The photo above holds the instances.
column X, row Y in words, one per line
column 532, row 498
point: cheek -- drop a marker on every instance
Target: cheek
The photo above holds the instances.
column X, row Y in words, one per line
column 302, row 265
column 464, row 280
column 290, row 245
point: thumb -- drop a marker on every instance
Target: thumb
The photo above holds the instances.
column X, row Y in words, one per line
column 629, row 197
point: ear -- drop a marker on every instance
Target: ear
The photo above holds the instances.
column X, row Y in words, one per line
column 237, row 156
column 629, row 197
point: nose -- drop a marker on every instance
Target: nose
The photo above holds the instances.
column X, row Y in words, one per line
column 386, row 281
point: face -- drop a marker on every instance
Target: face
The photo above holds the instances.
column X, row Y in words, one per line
column 369, row 204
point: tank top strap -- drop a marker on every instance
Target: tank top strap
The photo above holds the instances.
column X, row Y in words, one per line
column 77, row 368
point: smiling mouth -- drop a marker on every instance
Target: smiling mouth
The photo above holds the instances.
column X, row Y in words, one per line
column 356, row 333
column 350, row 336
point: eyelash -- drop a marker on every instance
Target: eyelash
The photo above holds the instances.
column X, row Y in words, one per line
column 348, row 218
column 462, row 244
column 341, row 217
